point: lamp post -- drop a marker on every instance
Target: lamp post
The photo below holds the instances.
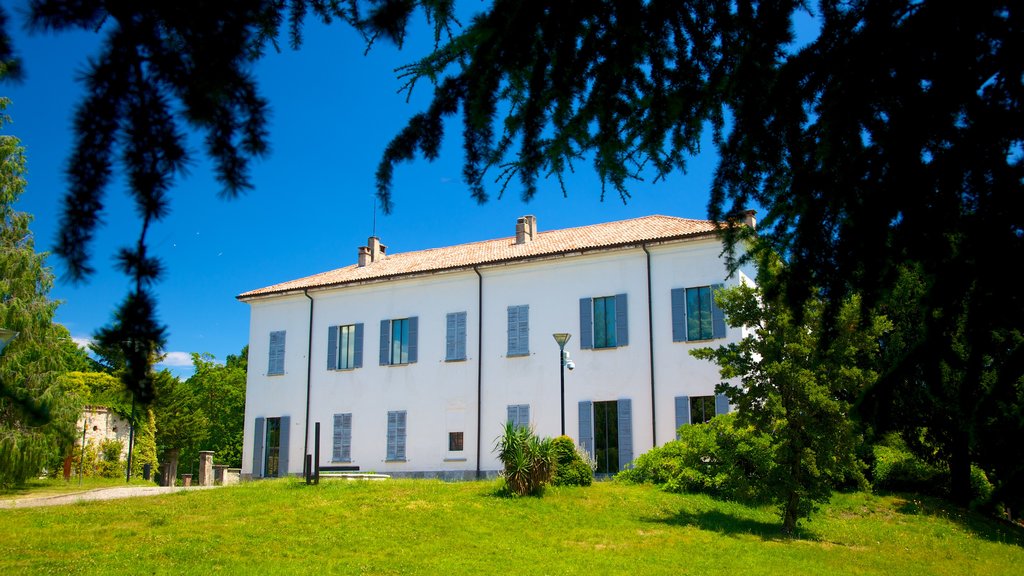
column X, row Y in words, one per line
column 562, row 338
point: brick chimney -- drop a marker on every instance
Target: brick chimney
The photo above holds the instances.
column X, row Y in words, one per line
column 372, row 252
column 526, row 227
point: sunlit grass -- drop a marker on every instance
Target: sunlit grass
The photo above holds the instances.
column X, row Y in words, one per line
column 431, row 527
column 54, row 486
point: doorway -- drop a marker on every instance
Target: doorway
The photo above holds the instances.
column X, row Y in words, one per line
column 606, row 437
column 271, row 465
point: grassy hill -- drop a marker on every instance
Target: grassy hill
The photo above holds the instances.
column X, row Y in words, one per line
column 431, row 527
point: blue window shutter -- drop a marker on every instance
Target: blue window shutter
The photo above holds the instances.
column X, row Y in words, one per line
column 621, row 321
column 400, row 439
column 259, row 438
column 587, row 426
column 450, row 344
column 721, row 404
column 513, row 330
column 336, row 445
column 282, row 467
column 717, row 316
column 678, row 315
column 460, row 336
column 332, row 348
column 524, row 329
column 276, row 357
column 518, row 330
column 524, row 415
column 392, row 435
column 358, row 347
column 682, row 412
column 385, row 342
column 346, row 437
column 414, row 328
column 586, row 323
column 625, row 410
column 513, row 414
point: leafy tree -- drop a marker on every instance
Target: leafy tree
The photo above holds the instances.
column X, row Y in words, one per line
column 37, row 417
column 220, row 394
column 797, row 383
column 181, row 423
column 145, row 444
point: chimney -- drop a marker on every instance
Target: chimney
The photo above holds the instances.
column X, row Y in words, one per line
column 376, row 248
column 526, row 227
column 372, row 252
column 749, row 220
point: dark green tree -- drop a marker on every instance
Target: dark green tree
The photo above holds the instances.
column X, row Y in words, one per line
column 37, row 415
column 797, row 382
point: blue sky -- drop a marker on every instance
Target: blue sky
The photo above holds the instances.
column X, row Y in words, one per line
column 333, row 111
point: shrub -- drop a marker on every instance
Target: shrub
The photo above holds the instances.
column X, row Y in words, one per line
column 898, row 469
column 111, row 466
column 571, row 469
column 528, row 460
column 717, row 458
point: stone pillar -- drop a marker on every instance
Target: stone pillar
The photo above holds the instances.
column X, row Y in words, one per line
column 170, row 475
column 219, row 471
column 206, row 467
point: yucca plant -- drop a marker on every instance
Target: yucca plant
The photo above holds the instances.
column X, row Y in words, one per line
column 528, row 460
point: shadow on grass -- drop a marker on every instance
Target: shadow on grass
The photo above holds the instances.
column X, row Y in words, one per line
column 732, row 525
column 978, row 524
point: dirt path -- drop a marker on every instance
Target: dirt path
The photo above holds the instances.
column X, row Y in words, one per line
column 95, row 494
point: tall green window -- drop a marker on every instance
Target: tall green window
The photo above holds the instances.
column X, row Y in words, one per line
column 345, row 347
column 398, row 341
column 604, row 322
column 699, row 324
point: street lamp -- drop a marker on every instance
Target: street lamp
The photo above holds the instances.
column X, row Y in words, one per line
column 562, row 338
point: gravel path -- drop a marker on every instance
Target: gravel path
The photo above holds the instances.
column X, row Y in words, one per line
column 95, row 494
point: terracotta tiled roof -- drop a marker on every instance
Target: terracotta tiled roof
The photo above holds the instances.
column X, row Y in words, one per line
column 593, row 237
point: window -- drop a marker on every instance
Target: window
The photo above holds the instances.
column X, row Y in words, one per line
column 519, row 415
column 702, row 409
column 398, row 341
column 699, row 409
column 342, row 438
column 345, row 347
column 519, row 330
column 455, row 337
column 695, row 316
column 276, row 364
column 455, row 441
column 604, row 322
column 396, row 435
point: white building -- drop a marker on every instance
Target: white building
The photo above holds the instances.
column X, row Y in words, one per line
column 411, row 363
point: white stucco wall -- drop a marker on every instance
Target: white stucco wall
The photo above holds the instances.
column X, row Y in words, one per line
column 440, row 397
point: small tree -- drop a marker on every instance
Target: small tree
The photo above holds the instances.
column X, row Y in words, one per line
column 529, row 461
column 798, row 385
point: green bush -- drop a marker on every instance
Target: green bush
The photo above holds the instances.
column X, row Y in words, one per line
column 570, row 467
column 111, row 466
column 898, row 469
column 528, row 461
column 718, row 458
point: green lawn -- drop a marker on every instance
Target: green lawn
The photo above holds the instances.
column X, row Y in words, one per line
column 55, row 486
column 431, row 527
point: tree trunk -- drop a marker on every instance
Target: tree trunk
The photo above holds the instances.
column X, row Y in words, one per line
column 960, row 470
